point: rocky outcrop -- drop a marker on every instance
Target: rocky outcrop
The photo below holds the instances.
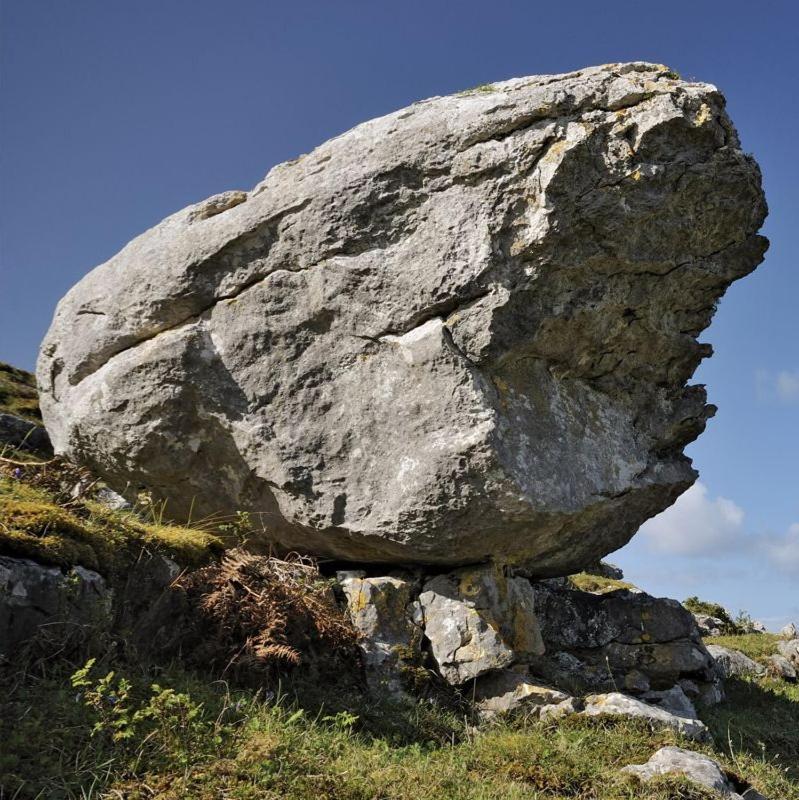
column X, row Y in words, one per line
column 459, row 331
column 509, row 644
column 631, row 639
column 694, row 766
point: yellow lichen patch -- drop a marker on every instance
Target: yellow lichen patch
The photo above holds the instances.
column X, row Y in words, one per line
column 703, row 115
column 597, row 584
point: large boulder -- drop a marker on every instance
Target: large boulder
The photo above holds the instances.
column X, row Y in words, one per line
column 461, row 330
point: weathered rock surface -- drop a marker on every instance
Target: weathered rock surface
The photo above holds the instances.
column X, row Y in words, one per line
column 734, row 663
column 695, row 766
column 386, row 615
column 780, row 666
column 461, row 330
column 22, row 434
column 506, row 690
column 790, row 631
column 620, row 638
column 478, row 620
column 73, row 604
column 709, row 625
column 617, row 704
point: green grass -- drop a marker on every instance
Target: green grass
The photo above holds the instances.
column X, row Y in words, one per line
column 18, row 393
column 758, row 646
column 191, row 737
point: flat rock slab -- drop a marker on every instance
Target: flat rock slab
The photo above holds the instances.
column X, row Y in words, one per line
column 617, row 704
column 463, row 330
column 694, row 766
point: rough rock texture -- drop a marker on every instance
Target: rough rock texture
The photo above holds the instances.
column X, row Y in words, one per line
column 23, row 434
column 617, row 704
column 734, row 663
column 621, row 638
column 780, row 666
column 507, row 690
column 386, row 615
column 708, row 625
column 77, row 603
column 477, row 620
column 790, row 631
column 463, row 329
column 695, row 766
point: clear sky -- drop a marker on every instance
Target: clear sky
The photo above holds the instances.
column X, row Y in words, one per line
column 115, row 113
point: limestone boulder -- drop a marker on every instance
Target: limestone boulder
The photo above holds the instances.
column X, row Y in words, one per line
column 506, row 691
column 478, row 620
column 463, row 330
column 694, row 766
column 617, row 704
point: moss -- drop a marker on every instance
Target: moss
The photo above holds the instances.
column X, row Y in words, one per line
column 18, row 393
column 33, row 525
column 483, row 88
column 596, row 584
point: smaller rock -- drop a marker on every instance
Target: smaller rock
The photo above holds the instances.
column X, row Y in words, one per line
column 617, row 704
column 507, row 690
column 554, row 712
column 636, row 682
column 111, row 499
column 708, row 625
column 23, row 435
column 758, row 627
column 781, row 667
column 733, row 663
column 382, row 611
column 673, row 700
column 605, row 570
column 790, row 650
column 33, row 595
column 478, row 620
column 694, row 766
column 790, row 631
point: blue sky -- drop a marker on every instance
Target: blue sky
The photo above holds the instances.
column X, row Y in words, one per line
column 115, row 114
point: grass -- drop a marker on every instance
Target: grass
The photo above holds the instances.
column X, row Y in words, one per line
column 37, row 524
column 697, row 606
column 150, row 732
column 758, row 646
column 18, row 393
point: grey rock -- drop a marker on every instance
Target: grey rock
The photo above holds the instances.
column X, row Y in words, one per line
column 617, row 639
column 709, row 626
column 76, row 605
column 782, row 668
column 23, row 435
column 674, row 700
column 111, row 499
column 463, row 329
column 758, row 627
column 733, row 663
column 382, row 609
column 694, row 766
column 504, row 691
column 556, row 711
column 790, row 631
column 605, row 570
column 790, row 650
column 478, row 620
column 617, row 704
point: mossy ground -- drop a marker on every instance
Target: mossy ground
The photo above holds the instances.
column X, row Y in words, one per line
column 39, row 524
column 18, row 393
